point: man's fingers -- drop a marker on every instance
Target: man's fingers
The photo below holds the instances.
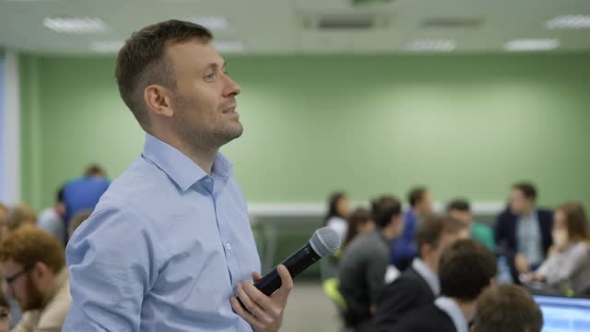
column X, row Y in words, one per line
column 254, row 301
column 286, row 283
column 256, row 276
column 248, row 317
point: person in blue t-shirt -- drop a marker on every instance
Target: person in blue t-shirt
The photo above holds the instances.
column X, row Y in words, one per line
column 84, row 193
column 404, row 249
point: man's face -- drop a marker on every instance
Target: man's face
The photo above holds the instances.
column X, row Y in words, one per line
column 519, row 204
column 463, row 216
column 204, row 101
column 425, row 206
column 20, row 285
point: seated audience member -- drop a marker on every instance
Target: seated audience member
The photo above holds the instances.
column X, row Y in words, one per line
column 466, row 269
column 34, row 270
column 5, row 317
column 20, row 215
column 418, row 285
column 3, row 220
column 52, row 218
column 523, row 232
column 359, row 222
column 338, row 211
column 363, row 263
column 460, row 210
column 567, row 269
column 507, row 308
column 404, row 249
column 85, row 192
column 77, row 220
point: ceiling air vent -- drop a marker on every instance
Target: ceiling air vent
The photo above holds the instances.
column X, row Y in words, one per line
column 346, row 22
column 451, row 23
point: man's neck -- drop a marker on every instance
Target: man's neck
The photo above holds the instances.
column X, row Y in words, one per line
column 528, row 213
column 431, row 264
column 467, row 308
column 200, row 155
column 389, row 233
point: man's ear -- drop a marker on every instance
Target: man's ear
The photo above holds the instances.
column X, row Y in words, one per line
column 158, row 100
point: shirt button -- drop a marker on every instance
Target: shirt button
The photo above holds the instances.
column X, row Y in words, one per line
column 228, row 246
column 208, row 180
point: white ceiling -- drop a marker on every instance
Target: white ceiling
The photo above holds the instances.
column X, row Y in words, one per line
column 290, row 26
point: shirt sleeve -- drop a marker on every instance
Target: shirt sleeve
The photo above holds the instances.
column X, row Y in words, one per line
column 112, row 263
column 568, row 264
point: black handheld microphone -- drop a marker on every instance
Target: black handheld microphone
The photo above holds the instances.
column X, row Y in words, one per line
column 325, row 241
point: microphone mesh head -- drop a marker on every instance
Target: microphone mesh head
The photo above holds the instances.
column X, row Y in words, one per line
column 325, row 241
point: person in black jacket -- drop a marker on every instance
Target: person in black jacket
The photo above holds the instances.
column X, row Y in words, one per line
column 523, row 231
column 418, row 285
column 467, row 268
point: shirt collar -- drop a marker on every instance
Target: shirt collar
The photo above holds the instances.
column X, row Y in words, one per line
column 180, row 168
column 426, row 273
column 451, row 308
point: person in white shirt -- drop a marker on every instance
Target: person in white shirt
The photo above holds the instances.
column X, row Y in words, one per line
column 338, row 211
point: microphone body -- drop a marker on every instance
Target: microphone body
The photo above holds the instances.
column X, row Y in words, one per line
column 296, row 263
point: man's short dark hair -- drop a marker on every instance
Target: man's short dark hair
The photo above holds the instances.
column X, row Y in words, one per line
column 94, row 170
column 507, row 308
column 416, row 195
column 141, row 61
column 60, row 195
column 466, row 269
column 459, row 205
column 432, row 228
column 527, row 189
column 384, row 208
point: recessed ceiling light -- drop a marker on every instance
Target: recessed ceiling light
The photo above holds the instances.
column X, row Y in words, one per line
column 523, row 45
column 569, row 22
column 211, row 22
column 433, row 45
column 106, row 46
column 75, row 24
column 228, row 46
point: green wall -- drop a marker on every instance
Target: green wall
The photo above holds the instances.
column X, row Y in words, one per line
column 463, row 125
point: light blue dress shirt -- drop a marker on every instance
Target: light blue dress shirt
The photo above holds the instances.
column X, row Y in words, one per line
column 164, row 249
column 529, row 238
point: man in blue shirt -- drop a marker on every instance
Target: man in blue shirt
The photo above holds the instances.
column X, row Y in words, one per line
column 404, row 249
column 170, row 245
column 84, row 193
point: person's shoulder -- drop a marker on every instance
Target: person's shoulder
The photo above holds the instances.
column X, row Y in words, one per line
column 545, row 213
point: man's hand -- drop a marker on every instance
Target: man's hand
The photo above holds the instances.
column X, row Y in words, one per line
column 263, row 313
column 521, row 264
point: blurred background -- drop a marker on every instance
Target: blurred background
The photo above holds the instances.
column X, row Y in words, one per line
column 364, row 96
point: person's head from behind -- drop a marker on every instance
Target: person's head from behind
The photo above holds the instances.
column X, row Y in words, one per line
column 507, row 308
column 459, row 209
column 30, row 258
column 77, row 220
column 338, row 205
column 570, row 224
column 387, row 215
column 359, row 221
column 523, row 198
column 3, row 220
column 21, row 215
column 420, row 201
column 466, row 269
column 175, row 83
column 5, row 316
column 436, row 233
column 95, row 170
